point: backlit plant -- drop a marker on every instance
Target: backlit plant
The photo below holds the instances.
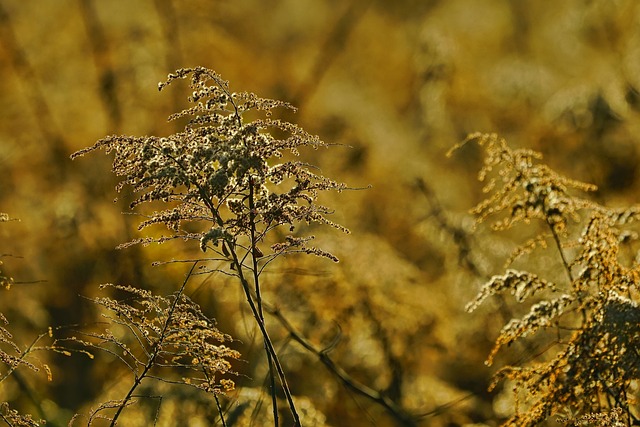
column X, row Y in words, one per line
column 583, row 320
column 230, row 183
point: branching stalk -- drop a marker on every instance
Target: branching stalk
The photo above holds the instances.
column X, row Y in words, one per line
column 154, row 351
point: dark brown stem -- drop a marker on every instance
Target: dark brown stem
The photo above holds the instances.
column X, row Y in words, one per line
column 256, row 282
column 154, row 351
column 224, row 424
column 394, row 389
column 255, row 309
column 556, row 238
column 402, row 416
column 267, row 340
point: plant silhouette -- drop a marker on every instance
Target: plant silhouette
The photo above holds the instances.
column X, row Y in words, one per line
column 226, row 187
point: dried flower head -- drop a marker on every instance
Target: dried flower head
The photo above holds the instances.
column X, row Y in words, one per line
column 601, row 419
column 225, row 183
column 164, row 338
column 587, row 324
column 523, row 189
column 173, row 332
column 12, row 418
column 225, row 171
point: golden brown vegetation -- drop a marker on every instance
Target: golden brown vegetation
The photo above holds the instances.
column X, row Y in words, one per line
column 225, row 189
column 588, row 361
column 382, row 337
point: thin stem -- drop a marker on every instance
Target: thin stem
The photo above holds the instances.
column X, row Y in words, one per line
column 224, row 424
column 394, row 388
column 21, row 359
column 236, row 112
column 256, row 281
column 400, row 414
column 556, row 238
column 567, row 268
column 397, row 411
column 154, row 353
column 253, row 248
column 267, row 340
column 257, row 312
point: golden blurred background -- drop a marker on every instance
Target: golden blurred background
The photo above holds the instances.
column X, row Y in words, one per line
column 399, row 83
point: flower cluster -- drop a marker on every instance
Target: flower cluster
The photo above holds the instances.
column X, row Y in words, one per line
column 228, row 181
column 165, row 338
column 589, row 362
column 601, row 419
column 13, row 418
column 225, row 171
column 523, row 189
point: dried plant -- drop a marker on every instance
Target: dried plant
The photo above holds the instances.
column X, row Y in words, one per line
column 163, row 338
column 586, row 326
column 217, row 173
column 602, row 419
column 11, row 357
column 226, row 185
column 14, row 357
column 12, row 418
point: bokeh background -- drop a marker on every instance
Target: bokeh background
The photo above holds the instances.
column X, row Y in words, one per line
column 397, row 83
